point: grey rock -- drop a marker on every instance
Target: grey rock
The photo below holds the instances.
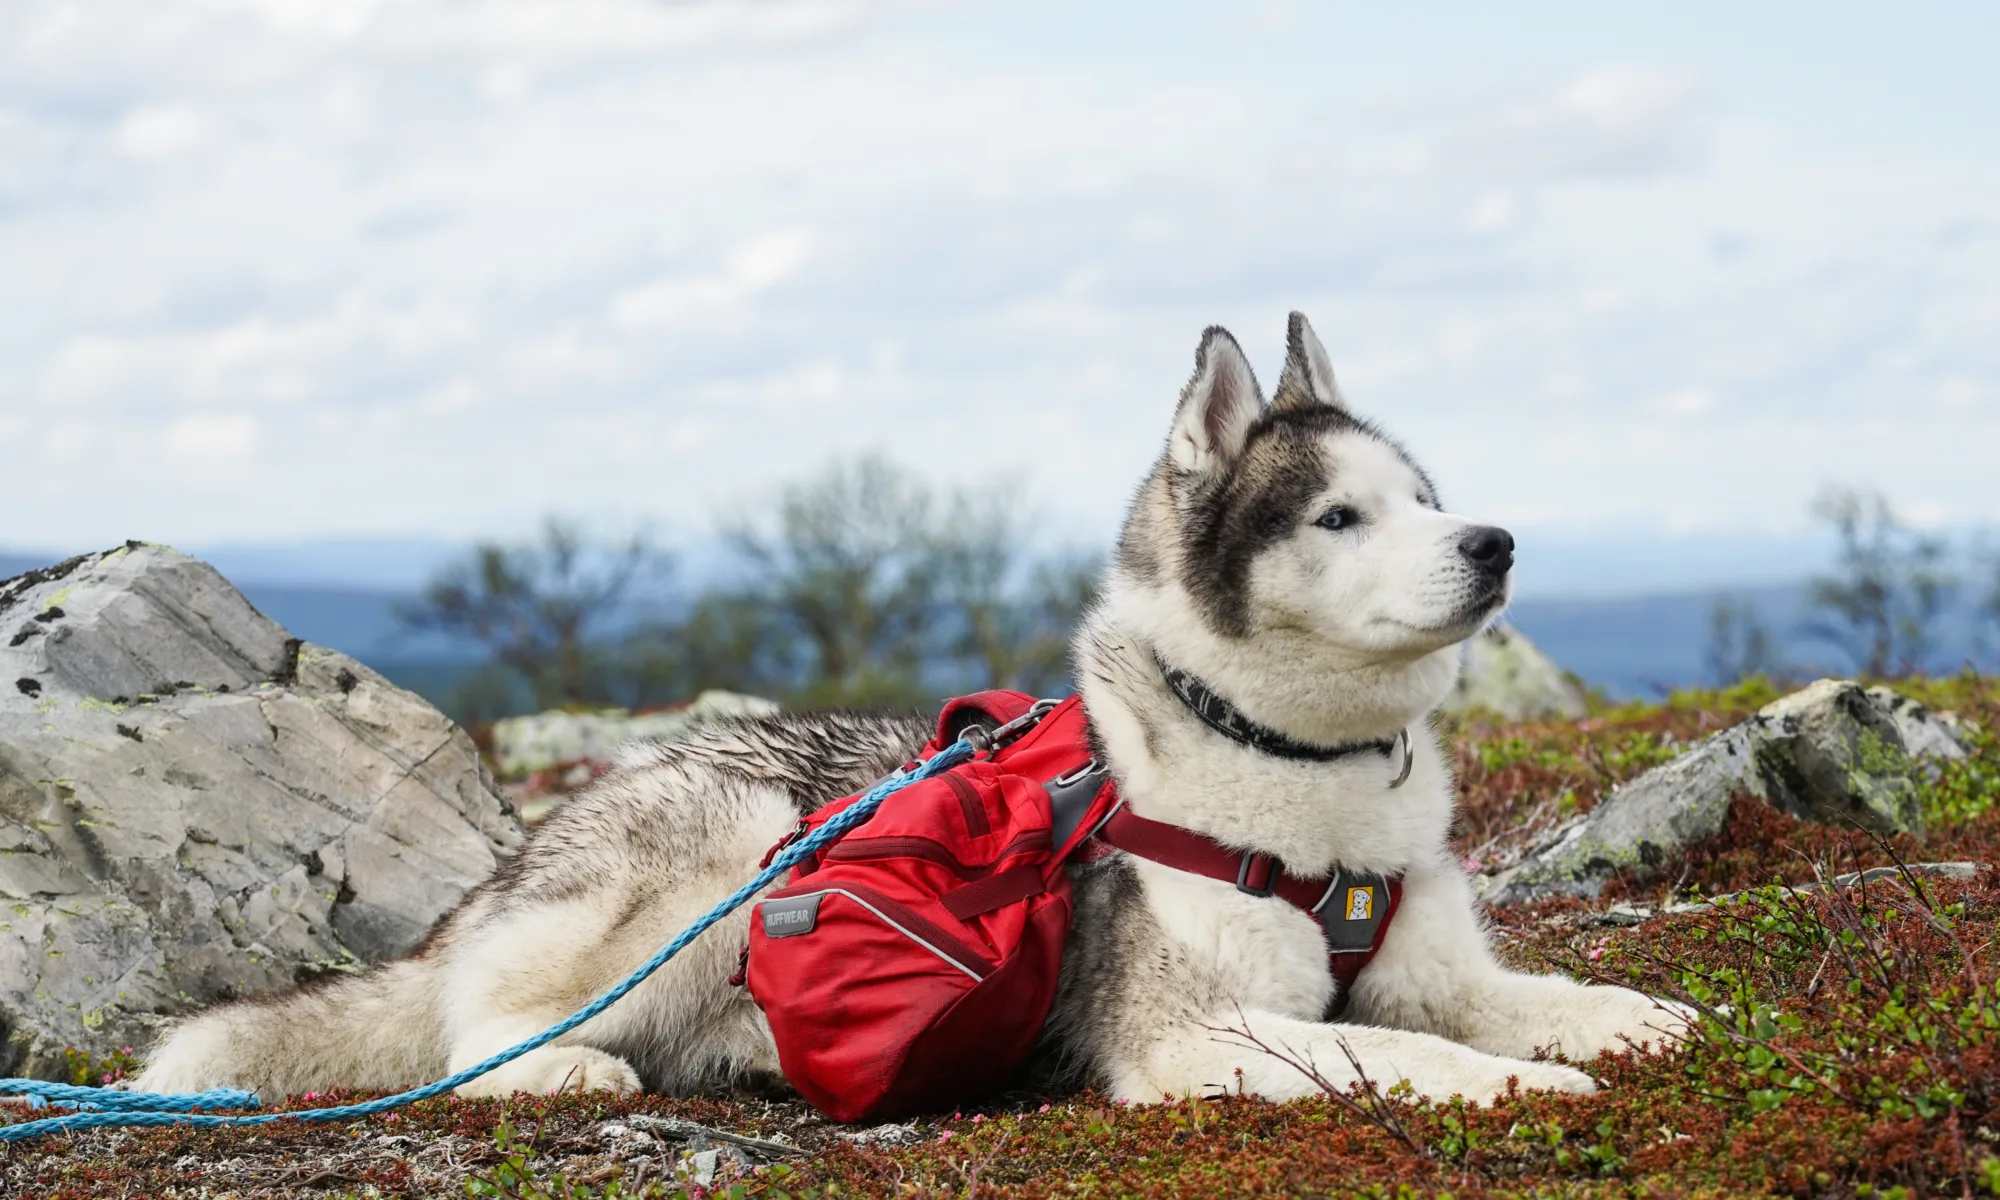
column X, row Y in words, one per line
column 1624, row 916
column 701, row 1159
column 699, row 1167
column 195, row 805
column 699, row 1136
column 1507, row 675
column 1963, row 869
column 1926, row 734
column 543, row 741
column 1833, row 752
column 1919, row 870
column 882, row 1135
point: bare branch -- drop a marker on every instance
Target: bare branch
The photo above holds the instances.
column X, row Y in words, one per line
column 1362, row 1099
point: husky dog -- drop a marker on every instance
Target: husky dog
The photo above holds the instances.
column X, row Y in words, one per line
column 1287, row 555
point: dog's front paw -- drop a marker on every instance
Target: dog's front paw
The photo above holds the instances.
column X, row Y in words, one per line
column 1553, row 1077
column 1485, row 1078
column 1619, row 1019
column 552, row 1069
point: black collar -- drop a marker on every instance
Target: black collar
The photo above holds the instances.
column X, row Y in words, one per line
column 1231, row 722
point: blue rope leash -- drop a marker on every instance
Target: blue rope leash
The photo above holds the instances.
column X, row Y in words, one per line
column 120, row 1108
column 41, row 1093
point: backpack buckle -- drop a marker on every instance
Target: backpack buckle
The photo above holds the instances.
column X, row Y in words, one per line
column 982, row 740
column 794, row 834
column 1270, row 877
column 1071, row 795
column 1093, row 767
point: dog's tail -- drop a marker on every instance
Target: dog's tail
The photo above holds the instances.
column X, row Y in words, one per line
column 379, row 1029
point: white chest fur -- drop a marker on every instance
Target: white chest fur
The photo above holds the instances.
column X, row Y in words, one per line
column 1259, row 951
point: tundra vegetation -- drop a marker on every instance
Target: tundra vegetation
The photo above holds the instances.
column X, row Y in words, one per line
column 1849, row 1046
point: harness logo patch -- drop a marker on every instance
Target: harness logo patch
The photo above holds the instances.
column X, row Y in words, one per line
column 1360, row 903
column 790, row 917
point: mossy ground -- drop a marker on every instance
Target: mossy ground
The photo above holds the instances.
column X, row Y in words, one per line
column 1852, row 1046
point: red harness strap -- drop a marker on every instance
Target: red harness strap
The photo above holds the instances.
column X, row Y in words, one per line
column 1353, row 909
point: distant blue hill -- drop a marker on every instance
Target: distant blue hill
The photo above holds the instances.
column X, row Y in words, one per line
column 1642, row 646
column 1628, row 647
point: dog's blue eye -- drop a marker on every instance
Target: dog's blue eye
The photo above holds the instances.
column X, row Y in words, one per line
column 1336, row 518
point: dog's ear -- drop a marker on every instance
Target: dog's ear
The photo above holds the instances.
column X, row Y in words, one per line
column 1307, row 379
column 1218, row 406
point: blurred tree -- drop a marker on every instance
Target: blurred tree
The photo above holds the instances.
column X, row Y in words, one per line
column 842, row 588
column 486, row 694
column 862, row 587
column 1009, row 631
column 717, row 642
column 1881, row 605
column 541, row 609
column 1986, row 621
column 866, row 587
column 1739, row 643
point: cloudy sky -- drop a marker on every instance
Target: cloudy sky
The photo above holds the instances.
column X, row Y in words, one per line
column 274, row 270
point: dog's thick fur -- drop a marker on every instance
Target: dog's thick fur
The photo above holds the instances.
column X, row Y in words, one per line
column 1288, row 555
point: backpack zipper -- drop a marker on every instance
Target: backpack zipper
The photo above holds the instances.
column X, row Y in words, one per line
column 867, row 849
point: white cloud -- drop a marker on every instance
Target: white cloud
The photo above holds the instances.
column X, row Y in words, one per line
column 158, row 132
column 334, row 19
column 467, row 262
column 217, row 440
column 545, row 29
column 1611, row 122
column 1690, row 402
column 682, row 300
column 1958, row 394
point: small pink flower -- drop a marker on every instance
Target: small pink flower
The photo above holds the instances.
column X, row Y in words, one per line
column 310, row 1096
column 1471, row 863
column 945, row 1136
column 1596, row 952
column 1043, row 1108
column 978, row 1117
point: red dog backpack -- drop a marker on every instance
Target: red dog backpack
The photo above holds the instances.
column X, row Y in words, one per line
column 910, row 966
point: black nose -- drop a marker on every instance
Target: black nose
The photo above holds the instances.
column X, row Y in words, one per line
column 1489, row 548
